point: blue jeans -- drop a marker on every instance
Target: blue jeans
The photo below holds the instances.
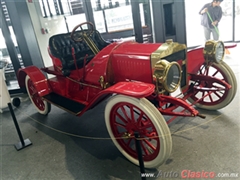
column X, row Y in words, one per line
column 208, row 31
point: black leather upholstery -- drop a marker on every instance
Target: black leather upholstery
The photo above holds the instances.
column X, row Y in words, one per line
column 61, row 47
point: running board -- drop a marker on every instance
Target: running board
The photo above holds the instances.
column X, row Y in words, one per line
column 64, row 103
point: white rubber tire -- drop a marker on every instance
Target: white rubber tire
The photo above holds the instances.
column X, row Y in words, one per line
column 231, row 73
column 47, row 106
column 157, row 120
column 231, row 79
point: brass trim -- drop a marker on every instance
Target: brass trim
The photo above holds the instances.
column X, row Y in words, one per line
column 91, row 44
column 166, row 49
column 184, row 62
column 210, row 50
column 160, row 75
column 103, row 84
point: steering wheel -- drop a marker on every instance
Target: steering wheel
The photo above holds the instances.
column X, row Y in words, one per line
column 84, row 32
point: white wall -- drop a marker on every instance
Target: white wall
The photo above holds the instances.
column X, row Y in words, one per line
column 54, row 25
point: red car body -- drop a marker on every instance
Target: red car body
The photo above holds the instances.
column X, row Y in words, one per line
column 128, row 70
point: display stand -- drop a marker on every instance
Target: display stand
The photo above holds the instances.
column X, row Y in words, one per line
column 5, row 101
column 139, row 152
column 23, row 143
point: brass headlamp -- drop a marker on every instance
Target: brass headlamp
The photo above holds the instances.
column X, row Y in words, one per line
column 214, row 51
column 167, row 76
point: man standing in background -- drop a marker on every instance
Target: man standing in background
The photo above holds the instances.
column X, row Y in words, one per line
column 211, row 15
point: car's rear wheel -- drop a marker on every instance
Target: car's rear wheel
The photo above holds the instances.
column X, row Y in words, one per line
column 213, row 100
column 126, row 115
column 42, row 106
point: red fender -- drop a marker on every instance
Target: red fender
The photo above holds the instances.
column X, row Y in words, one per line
column 230, row 45
column 133, row 89
column 195, row 57
column 38, row 78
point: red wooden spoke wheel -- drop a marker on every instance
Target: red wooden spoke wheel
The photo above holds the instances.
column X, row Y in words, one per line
column 126, row 115
column 213, row 100
column 42, row 106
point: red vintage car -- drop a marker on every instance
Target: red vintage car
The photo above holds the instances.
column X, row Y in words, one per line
column 138, row 80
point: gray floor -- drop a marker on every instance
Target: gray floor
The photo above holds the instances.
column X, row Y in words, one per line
column 210, row 145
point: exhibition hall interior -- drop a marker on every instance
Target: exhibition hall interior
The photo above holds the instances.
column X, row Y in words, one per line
column 119, row 89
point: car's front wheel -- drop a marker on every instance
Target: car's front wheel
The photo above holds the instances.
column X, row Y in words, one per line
column 41, row 105
column 126, row 115
column 215, row 99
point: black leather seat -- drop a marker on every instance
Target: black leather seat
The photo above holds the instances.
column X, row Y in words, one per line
column 61, row 47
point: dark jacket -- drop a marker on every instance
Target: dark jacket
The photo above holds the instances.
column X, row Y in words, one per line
column 215, row 13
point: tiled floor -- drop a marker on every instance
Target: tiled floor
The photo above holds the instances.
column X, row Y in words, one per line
column 209, row 145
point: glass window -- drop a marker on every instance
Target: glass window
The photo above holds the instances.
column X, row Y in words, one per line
column 113, row 16
column 226, row 23
column 237, row 20
column 145, row 14
column 77, row 14
column 194, row 30
column 109, row 16
column 51, row 8
column 116, row 20
column 74, row 20
column 99, row 20
column 6, row 64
